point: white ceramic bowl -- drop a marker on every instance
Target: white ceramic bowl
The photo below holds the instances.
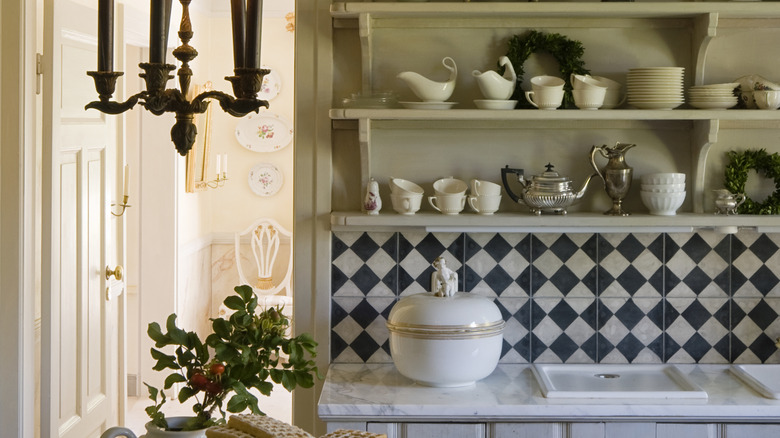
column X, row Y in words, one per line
column 662, row 204
column 663, row 188
column 404, row 186
column 445, row 341
column 407, row 203
column 663, row 178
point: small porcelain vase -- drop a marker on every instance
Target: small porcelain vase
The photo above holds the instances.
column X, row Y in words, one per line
column 372, row 202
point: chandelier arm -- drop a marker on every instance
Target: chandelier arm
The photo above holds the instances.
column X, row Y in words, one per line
column 113, row 107
column 229, row 104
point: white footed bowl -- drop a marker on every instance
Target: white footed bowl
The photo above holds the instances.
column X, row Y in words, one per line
column 662, row 204
column 663, row 178
column 663, row 188
column 445, row 341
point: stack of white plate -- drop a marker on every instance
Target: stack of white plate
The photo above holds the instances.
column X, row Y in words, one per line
column 713, row 96
column 663, row 193
column 656, row 87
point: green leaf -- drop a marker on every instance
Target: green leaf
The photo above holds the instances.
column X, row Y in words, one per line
column 221, row 328
column 245, row 292
column 178, row 335
column 173, row 378
column 155, row 333
column 234, row 302
column 185, row 393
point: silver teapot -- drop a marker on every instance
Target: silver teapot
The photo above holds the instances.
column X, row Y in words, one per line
column 545, row 193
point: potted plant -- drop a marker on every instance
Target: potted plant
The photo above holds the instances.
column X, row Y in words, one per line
column 250, row 349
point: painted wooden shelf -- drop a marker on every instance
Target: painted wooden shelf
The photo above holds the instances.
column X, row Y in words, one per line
column 564, row 114
column 570, row 223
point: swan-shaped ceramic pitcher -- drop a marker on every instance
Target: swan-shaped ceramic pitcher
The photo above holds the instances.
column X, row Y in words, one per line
column 428, row 90
column 495, row 86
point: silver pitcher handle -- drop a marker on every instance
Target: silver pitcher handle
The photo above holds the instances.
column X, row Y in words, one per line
column 114, row 432
column 593, row 150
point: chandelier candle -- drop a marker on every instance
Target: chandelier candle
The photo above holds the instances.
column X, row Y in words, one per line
column 158, row 26
column 254, row 31
column 106, row 35
column 238, row 15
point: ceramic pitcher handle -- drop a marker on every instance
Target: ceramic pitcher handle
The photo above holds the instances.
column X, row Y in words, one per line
column 114, row 432
column 528, row 95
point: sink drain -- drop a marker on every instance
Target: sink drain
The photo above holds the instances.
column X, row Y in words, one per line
column 607, row 376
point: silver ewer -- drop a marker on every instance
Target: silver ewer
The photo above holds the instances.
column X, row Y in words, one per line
column 616, row 174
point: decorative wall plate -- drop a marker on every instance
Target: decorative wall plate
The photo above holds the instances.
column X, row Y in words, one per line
column 264, row 132
column 272, row 85
column 265, row 179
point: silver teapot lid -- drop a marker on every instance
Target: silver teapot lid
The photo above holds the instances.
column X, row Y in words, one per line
column 550, row 179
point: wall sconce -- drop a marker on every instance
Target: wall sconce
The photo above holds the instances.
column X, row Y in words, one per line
column 221, row 173
column 248, row 79
column 125, row 193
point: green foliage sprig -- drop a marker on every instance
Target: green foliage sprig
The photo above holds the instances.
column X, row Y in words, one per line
column 249, row 348
column 737, row 174
column 567, row 52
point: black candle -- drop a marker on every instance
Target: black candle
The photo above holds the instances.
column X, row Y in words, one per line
column 106, row 35
column 167, row 19
column 254, row 32
column 238, row 14
column 156, row 32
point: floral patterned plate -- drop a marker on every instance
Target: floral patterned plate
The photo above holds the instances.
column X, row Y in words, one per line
column 264, row 132
column 265, row 179
column 272, row 84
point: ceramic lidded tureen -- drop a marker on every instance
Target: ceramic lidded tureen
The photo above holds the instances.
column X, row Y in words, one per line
column 545, row 193
column 445, row 338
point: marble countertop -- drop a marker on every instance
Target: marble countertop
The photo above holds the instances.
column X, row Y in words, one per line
column 377, row 392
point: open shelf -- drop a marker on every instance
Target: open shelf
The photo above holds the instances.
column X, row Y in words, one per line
column 570, row 223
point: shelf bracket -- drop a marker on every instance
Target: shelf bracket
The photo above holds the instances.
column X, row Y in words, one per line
column 366, row 51
column 364, row 138
column 705, row 135
column 705, row 29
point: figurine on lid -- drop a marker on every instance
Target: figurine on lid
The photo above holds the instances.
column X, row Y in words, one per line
column 444, row 281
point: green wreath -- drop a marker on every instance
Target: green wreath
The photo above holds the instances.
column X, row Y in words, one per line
column 567, row 52
column 737, row 173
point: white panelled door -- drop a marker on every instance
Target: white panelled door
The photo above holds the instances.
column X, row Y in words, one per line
column 81, row 359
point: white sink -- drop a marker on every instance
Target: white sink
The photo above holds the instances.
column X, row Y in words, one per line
column 763, row 378
column 661, row 381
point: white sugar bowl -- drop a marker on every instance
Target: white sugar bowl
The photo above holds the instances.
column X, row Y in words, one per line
column 445, row 341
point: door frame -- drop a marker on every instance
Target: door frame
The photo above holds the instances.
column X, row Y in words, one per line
column 17, row 217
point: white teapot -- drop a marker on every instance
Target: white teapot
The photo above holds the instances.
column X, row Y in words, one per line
column 494, row 86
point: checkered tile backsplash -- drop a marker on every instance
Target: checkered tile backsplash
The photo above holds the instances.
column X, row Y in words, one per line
column 573, row 298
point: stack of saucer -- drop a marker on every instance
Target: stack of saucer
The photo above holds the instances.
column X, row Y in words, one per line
column 656, row 87
column 713, row 96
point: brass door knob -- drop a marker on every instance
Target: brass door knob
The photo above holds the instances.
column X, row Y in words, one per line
column 117, row 272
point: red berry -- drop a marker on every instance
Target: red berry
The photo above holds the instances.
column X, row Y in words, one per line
column 213, row 388
column 198, row 381
column 217, row 369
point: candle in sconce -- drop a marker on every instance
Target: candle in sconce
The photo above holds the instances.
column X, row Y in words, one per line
column 157, row 39
column 105, row 35
column 126, row 186
column 224, row 165
column 254, row 33
column 238, row 14
column 219, row 165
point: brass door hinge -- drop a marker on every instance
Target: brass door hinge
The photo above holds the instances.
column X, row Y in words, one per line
column 38, row 72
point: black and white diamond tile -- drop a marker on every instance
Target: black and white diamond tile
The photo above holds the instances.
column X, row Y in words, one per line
column 755, row 327
column 517, row 336
column 358, row 330
column 755, row 270
column 631, row 265
column 563, row 265
column 416, row 253
column 364, row 264
column 630, row 330
column 697, row 265
column 697, row 330
column 497, row 264
column 563, row 330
